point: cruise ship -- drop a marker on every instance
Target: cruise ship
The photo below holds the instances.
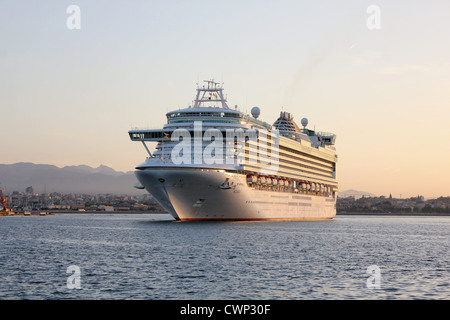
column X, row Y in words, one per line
column 213, row 162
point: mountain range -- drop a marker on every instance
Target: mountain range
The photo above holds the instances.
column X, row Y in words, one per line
column 355, row 193
column 46, row 178
column 70, row 179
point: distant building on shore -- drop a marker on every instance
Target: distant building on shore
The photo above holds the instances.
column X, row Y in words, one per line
column 29, row 190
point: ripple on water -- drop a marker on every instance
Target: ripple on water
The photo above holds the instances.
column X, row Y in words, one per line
column 139, row 257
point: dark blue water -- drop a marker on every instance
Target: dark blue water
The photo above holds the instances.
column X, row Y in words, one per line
column 151, row 257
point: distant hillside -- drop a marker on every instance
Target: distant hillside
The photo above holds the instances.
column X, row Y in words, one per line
column 69, row 179
column 101, row 169
column 355, row 193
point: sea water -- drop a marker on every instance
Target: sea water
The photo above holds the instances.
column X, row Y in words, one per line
column 150, row 256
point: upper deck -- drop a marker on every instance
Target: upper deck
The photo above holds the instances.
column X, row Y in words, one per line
column 212, row 111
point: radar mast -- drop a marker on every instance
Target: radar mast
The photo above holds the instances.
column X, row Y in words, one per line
column 212, row 93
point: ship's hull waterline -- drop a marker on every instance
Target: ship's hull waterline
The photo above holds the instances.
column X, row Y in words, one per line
column 197, row 194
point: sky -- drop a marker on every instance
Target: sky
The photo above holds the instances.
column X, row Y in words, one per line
column 377, row 79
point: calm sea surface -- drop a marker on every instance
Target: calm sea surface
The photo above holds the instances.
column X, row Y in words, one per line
column 149, row 256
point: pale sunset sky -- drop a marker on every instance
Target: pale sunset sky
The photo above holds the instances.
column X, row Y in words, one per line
column 69, row 96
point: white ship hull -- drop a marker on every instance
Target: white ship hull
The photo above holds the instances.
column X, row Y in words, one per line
column 196, row 194
column 216, row 163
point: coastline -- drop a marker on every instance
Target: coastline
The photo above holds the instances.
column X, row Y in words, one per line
column 52, row 213
column 393, row 214
column 404, row 214
column 106, row 212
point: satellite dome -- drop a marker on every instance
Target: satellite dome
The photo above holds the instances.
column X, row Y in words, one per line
column 256, row 112
column 304, row 122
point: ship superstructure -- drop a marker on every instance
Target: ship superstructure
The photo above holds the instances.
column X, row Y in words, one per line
column 212, row 162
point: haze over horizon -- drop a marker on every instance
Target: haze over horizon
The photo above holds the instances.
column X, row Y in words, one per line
column 21, row 175
column 68, row 97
